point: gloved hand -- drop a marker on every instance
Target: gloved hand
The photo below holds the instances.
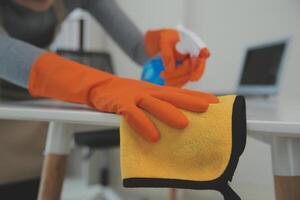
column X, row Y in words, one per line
column 56, row 77
column 179, row 45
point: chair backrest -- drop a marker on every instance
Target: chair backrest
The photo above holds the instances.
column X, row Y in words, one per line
column 98, row 60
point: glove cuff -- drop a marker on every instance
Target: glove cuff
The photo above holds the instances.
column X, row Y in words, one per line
column 56, row 77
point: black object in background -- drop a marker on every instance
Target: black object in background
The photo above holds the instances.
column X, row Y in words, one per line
column 25, row 190
column 262, row 65
column 98, row 60
column 11, row 91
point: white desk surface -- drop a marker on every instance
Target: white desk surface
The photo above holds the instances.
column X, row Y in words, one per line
column 269, row 118
column 50, row 110
column 276, row 118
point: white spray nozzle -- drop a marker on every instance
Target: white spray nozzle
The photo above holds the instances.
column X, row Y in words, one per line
column 189, row 42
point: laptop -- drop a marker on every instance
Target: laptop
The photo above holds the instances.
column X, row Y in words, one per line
column 262, row 68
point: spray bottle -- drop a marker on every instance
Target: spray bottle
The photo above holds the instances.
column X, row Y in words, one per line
column 189, row 43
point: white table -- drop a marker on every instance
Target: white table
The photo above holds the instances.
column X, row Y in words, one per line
column 275, row 124
column 62, row 118
column 278, row 124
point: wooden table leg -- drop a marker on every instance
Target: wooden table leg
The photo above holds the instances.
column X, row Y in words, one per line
column 287, row 187
column 52, row 177
column 172, row 194
column 286, row 167
column 57, row 149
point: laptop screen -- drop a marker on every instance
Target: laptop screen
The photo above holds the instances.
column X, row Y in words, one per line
column 261, row 68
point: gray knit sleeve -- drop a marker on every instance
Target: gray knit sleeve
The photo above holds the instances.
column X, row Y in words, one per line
column 119, row 27
column 16, row 58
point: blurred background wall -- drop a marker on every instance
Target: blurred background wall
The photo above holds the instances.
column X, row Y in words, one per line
column 229, row 28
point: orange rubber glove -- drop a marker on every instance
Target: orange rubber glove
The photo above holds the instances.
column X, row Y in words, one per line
column 164, row 42
column 59, row 78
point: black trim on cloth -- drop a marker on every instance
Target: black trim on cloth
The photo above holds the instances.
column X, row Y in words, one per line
column 239, row 133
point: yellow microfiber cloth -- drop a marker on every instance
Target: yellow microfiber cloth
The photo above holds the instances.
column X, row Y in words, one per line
column 204, row 155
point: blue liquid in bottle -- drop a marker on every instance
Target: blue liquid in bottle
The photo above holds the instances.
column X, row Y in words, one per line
column 151, row 71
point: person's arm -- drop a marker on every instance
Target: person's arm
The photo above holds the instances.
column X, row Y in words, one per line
column 47, row 74
column 16, row 58
column 119, row 27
